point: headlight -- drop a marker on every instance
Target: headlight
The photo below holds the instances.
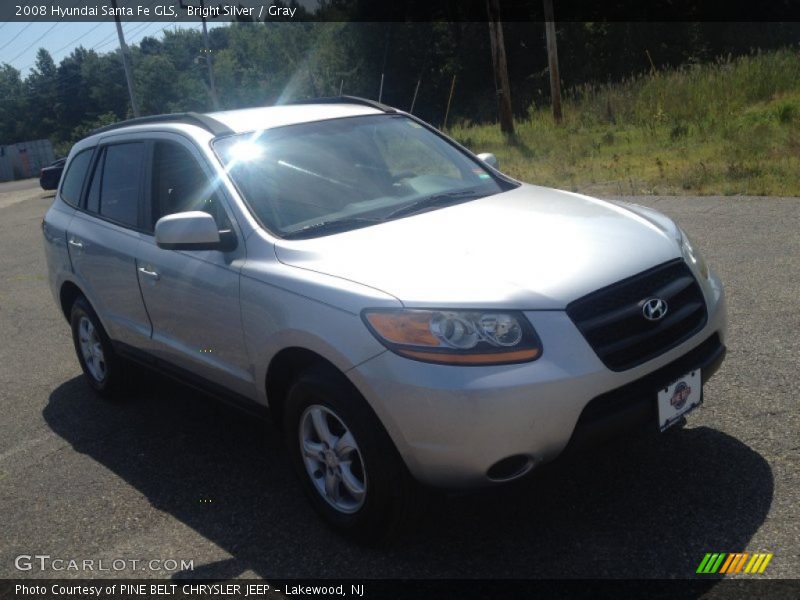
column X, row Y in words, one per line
column 692, row 255
column 456, row 337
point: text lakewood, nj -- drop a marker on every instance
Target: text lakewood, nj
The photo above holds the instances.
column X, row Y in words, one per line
column 168, row 10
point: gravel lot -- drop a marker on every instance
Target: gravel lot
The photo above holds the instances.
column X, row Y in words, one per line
column 171, row 474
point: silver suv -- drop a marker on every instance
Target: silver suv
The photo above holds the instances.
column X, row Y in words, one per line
column 408, row 313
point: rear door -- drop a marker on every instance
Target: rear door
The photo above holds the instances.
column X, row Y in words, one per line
column 192, row 297
column 103, row 238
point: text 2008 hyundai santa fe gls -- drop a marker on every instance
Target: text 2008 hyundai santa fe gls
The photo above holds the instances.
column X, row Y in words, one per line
column 407, row 312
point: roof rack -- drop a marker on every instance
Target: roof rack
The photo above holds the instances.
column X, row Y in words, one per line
column 346, row 100
column 189, row 118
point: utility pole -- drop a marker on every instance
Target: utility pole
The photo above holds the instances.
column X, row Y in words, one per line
column 500, row 65
column 449, row 100
column 125, row 61
column 214, row 97
column 552, row 61
column 385, row 54
column 211, row 85
column 414, row 99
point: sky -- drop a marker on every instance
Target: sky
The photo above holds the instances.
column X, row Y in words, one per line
column 19, row 42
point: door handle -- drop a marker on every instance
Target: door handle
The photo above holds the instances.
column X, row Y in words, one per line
column 149, row 273
column 75, row 244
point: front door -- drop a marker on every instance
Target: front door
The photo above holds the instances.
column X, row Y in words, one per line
column 192, row 297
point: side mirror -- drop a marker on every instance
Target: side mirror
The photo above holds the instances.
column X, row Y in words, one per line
column 490, row 159
column 193, row 230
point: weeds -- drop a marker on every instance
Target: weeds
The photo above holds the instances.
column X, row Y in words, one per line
column 728, row 127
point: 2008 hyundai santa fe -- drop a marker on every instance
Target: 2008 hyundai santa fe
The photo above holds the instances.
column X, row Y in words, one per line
column 407, row 312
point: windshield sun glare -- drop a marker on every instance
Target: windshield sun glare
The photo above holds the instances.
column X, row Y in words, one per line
column 330, row 176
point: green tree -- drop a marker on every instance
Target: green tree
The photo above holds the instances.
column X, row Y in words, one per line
column 12, row 106
column 41, row 96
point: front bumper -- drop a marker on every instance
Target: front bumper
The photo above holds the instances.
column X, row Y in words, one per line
column 634, row 405
column 452, row 424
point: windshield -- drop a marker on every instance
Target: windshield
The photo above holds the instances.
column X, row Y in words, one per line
column 329, row 176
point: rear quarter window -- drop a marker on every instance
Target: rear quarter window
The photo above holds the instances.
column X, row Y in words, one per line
column 75, row 176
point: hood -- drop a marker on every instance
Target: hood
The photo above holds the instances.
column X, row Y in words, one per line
column 528, row 248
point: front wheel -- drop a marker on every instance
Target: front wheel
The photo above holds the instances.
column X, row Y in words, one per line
column 344, row 458
column 332, row 459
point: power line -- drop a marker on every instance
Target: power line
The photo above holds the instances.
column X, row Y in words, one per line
column 32, row 44
column 141, row 27
column 138, row 28
column 16, row 36
column 162, row 29
column 140, row 33
column 61, row 79
column 79, row 37
column 110, row 38
column 105, row 41
column 28, row 66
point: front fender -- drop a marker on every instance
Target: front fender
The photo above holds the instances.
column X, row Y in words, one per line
column 275, row 318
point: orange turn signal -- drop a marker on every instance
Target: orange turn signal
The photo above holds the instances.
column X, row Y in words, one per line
column 404, row 327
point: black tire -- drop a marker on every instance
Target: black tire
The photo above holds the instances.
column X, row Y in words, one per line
column 391, row 495
column 111, row 384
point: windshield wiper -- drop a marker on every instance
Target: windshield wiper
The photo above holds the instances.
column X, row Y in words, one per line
column 435, row 201
column 332, row 226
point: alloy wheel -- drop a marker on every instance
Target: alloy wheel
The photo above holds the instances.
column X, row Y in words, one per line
column 332, row 459
column 92, row 349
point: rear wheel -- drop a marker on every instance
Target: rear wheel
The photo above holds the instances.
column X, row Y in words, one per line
column 102, row 368
column 347, row 464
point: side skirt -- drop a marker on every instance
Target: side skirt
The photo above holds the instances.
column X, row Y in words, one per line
column 201, row 384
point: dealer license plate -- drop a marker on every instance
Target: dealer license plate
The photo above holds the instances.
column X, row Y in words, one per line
column 678, row 398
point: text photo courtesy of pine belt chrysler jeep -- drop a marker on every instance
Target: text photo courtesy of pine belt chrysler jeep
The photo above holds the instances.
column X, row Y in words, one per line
column 408, row 313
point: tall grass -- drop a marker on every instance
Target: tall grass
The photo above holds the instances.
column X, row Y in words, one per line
column 727, row 127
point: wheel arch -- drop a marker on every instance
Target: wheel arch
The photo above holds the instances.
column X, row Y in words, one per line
column 66, row 297
column 288, row 363
column 284, row 368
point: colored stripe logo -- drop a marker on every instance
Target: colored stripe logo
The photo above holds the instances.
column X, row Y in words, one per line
column 734, row 562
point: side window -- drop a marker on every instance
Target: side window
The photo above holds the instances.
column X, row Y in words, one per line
column 73, row 179
column 119, row 188
column 181, row 185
